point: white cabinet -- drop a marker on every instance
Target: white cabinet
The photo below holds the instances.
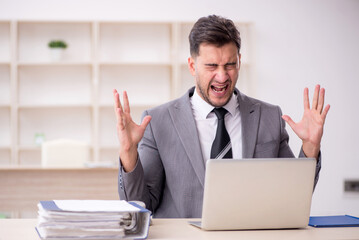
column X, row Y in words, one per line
column 72, row 97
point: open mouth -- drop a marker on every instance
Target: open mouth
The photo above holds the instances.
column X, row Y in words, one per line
column 219, row 89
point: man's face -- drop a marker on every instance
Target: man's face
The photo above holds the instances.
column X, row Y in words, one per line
column 216, row 72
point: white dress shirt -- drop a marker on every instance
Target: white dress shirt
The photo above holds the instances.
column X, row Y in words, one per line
column 207, row 121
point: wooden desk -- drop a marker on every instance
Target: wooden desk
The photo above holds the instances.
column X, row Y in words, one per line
column 21, row 188
column 20, row 229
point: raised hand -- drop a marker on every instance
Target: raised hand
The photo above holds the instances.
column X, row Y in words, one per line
column 129, row 133
column 310, row 128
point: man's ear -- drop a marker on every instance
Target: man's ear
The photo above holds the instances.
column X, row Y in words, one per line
column 239, row 60
column 192, row 66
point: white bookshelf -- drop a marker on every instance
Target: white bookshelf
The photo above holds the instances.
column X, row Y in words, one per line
column 5, row 85
column 33, row 38
column 5, row 136
column 5, row 95
column 72, row 97
column 5, row 43
column 135, row 43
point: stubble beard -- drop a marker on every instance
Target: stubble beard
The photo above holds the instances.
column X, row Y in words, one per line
column 206, row 96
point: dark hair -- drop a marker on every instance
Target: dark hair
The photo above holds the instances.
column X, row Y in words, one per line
column 213, row 30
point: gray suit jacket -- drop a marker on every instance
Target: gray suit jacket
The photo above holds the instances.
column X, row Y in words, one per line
column 169, row 176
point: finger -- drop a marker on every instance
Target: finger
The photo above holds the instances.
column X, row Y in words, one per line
column 289, row 120
column 117, row 103
column 120, row 124
column 116, row 97
column 306, row 99
column 126, row 104
column 146, row 120
column 325, row 112
column 315, row 97
column 321, row 100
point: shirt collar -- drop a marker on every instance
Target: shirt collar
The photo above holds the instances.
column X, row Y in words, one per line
column 204, row 109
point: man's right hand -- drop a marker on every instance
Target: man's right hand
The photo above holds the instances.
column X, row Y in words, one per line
column 129, row 133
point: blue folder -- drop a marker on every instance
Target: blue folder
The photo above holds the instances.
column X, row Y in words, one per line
column 334, row 221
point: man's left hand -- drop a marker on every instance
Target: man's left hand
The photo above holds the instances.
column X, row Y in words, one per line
column 310, row 128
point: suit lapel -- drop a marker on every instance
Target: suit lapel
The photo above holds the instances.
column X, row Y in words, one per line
column 184, row 123
column 250, row 114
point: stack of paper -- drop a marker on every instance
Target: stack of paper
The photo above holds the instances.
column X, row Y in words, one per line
column 92, row 219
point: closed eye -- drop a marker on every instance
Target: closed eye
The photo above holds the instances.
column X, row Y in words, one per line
column 227, row 66
column 230, row 66
column 211, row 66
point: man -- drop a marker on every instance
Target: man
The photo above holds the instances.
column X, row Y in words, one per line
column 162, row 161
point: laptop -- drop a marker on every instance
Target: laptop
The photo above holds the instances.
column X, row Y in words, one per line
column 268, row 193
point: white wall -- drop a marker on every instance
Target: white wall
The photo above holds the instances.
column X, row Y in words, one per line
column 296, row 44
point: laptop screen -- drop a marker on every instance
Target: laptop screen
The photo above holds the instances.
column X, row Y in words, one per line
column 258, row 193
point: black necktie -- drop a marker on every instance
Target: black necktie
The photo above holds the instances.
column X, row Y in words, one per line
column 221, row 147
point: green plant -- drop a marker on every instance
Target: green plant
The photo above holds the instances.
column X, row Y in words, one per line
column 57, row 44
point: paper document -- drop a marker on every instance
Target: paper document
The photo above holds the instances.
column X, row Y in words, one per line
column 96, row 206
column 92, row 219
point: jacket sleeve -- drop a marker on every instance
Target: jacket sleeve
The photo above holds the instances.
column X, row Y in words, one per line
column 318, row 166
column 145, row 183
column 286, row 152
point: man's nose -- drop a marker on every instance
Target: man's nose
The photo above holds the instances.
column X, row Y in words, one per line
column 222, row 74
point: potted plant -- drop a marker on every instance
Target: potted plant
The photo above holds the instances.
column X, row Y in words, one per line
column 57, row 48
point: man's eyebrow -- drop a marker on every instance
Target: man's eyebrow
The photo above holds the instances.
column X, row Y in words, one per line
column 230, row 63
column 216, row 65
column 211, row 64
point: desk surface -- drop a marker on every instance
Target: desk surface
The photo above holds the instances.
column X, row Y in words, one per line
column 19, row 229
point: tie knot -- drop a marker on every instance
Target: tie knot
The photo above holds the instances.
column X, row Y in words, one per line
column 220, row 112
